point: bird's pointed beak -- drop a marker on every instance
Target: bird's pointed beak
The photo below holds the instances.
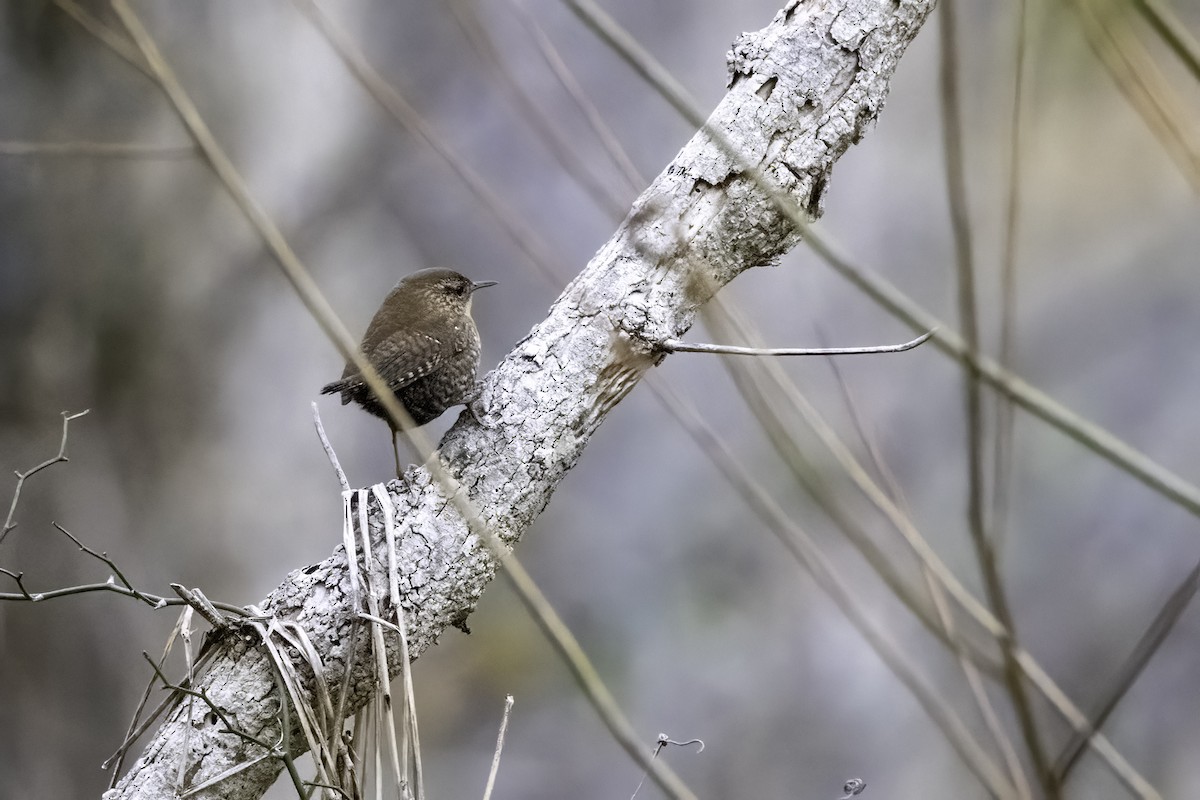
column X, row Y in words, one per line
column 481, row 285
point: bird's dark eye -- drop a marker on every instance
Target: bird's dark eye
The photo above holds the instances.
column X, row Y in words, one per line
column 462, row 289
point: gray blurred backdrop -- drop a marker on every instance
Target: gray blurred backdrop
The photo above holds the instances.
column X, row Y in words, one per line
column 135, row 288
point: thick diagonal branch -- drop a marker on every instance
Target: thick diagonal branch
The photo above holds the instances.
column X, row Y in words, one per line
column 802, row 91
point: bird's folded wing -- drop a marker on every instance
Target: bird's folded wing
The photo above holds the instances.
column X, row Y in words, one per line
column 401, row 358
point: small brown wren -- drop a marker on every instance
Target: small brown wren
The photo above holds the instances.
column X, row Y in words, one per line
column 424, row 344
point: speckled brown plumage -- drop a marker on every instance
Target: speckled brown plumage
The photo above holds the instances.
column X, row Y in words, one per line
column 423, row 343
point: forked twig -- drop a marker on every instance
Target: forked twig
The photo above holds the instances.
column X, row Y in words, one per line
column 23, row 476
column 112, row 565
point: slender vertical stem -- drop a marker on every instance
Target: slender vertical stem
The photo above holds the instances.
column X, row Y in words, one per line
column 973, row 397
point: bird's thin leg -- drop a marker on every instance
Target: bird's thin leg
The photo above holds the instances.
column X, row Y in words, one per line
column 396, row 452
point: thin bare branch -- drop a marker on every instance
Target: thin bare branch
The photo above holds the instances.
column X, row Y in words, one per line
column 26, row 475
column 201, row 695
column 333, row 459
column 201, row 605
column 112, row 565
column 24, row 595
column 143, row 596
column 677, row 346
column 491, row 780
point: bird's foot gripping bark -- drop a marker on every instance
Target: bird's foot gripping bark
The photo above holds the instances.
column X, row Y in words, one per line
column 477, row 406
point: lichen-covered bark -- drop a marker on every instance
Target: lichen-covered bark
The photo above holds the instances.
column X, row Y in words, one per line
column 802, row 90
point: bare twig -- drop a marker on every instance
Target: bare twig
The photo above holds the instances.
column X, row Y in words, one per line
column 201, row 605
column 112, row 565
column 677, row 346
column 333, row 459
column 201, row 695
column 118, row 758
column 491, row 780
column 88, row 588
column 25, row 595
column 23, row 476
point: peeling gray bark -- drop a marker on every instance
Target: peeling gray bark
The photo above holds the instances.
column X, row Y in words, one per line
column 801, row 92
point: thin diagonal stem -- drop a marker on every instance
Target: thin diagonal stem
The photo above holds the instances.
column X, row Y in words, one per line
column 985, row 553
column 1002, row 441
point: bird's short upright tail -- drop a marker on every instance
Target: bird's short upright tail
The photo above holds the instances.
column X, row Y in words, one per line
column 338, row 387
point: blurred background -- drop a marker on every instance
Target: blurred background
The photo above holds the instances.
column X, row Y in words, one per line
column 132, row 286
